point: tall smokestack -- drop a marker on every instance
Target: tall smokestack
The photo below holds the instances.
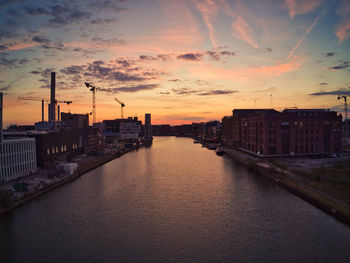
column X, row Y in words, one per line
column 58, row 113
column 42, row 110
column 53, row 97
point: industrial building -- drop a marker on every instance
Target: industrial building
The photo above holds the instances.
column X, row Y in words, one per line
column 290, row 132
column 122, row 129
column 53, row 146
column 17, row 155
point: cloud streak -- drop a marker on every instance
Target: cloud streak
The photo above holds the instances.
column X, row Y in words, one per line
column 318, row 17
column 243, row 32
column 298, row 7
column 334, row 92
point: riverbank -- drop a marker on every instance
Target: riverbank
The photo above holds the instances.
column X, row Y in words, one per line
column 296, row 182
column 45, row 181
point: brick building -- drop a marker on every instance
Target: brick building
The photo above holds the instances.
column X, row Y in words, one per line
column 290, row 132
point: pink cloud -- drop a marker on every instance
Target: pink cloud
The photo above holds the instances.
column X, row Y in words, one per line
column 343, row 30
column 208, row 10
column 246, row 74
column 299, row 7
column 242, row 31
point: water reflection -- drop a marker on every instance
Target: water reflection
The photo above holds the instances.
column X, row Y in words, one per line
column 171, row 202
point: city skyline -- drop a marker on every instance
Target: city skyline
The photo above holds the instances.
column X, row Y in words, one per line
column 182, row 61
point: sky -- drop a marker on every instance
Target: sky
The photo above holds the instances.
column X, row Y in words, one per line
column 182, row 61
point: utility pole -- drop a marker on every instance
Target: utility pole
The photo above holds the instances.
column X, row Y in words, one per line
column 271, row 101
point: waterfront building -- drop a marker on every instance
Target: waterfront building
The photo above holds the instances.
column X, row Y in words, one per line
column 198, row 129
column 291, row 132
column 94, row 141
column 148, row 127
column 184, row 130
column 1, row 106
column 128, row 130
column 53, row 146
column 163, row 130
column 75, row 121
column 17, row 158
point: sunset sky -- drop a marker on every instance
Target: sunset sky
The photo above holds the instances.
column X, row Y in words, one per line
column 182, row 61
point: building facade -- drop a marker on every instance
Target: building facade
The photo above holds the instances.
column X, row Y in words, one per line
column 148, row 127
column 1, row 106
column 54, row 146
column 291, row 132
column 122, row 129
column 75, row 121
column 17, row 158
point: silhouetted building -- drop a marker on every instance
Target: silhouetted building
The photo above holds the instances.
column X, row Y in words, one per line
column 1, row 106
column 184, row 130
column 75, row 121
column 198, row 129
column 94, row 141
column 162, row 130
column 148, row 127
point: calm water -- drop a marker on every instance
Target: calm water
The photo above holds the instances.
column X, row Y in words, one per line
column 173, row 202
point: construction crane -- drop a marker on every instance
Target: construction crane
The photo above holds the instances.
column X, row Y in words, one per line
column 93, row 90
column 122, row 105
column 346, row 111
column 43, row 103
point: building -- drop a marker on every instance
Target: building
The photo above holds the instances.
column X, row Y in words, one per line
column 162, row 130
column 17, row 158
column 53, row 146
column 1, row 106
column 184, row 130
column 231, row 126
column 291, row 132
column 122, row 129
column 148, row 127
column 17, row 155
column 94, row 141
column 75, row 121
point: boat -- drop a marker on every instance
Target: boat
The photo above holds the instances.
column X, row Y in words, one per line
column 212, row 146
column 219, row 151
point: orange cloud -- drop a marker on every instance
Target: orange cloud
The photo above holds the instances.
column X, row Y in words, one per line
column 21, row 46
column 245, row 74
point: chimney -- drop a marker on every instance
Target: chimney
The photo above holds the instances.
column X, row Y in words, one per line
column 42, row 110
column 53, row 97
column 58, row 113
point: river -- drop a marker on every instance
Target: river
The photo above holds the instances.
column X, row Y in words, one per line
column 171, row 202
